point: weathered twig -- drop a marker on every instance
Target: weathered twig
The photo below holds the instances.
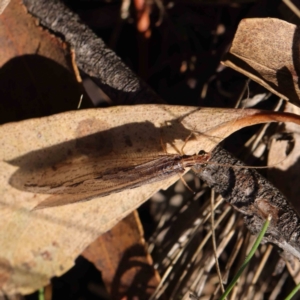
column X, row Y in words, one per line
column 92, row 56
column 255, row 197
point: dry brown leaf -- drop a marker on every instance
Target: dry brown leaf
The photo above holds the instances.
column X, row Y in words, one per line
column 267, row 51
column 3, row 5
column 37, row 76
column 37, row 245
column 120, row 254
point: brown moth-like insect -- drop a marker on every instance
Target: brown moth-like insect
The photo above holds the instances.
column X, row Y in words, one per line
column 81, row 180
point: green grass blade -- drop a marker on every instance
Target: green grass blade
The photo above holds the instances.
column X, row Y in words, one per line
column 41, row 294
column 293, row 292
column 247, row 259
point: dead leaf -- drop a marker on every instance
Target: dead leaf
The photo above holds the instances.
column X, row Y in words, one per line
column 3, row 5
column 37, row 76
column 37, row 245
column 120, row 254
column 267, row 51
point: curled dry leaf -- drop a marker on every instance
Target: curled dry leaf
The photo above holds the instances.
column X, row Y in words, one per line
column 267, row 51
column 40, row 244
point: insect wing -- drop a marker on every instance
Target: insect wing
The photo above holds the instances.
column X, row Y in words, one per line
column 84, row 180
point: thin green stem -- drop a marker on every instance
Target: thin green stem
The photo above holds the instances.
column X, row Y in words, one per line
column 247, row 259
column 41, row 294
column 293, row 292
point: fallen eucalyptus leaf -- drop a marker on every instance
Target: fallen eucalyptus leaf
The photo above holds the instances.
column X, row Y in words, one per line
column 267, row 51
column 37, row 245
column 37, row 73
column 121, row 255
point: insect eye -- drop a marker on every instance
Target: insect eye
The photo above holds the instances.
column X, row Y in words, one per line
column 201, row 152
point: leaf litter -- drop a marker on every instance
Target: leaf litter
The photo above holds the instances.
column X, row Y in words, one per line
column 30, row 151
column 79, row 226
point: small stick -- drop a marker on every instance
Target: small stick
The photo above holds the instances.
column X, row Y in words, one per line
column 251, row 194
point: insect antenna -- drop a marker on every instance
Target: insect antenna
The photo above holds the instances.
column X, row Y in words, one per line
column 198, row 170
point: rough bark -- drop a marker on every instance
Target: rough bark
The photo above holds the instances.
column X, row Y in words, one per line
column 255, row 197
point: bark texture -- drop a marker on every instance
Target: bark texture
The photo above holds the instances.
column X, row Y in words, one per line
column 255, row 197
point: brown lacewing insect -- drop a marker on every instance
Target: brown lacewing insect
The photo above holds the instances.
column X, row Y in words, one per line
column 80, row 182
